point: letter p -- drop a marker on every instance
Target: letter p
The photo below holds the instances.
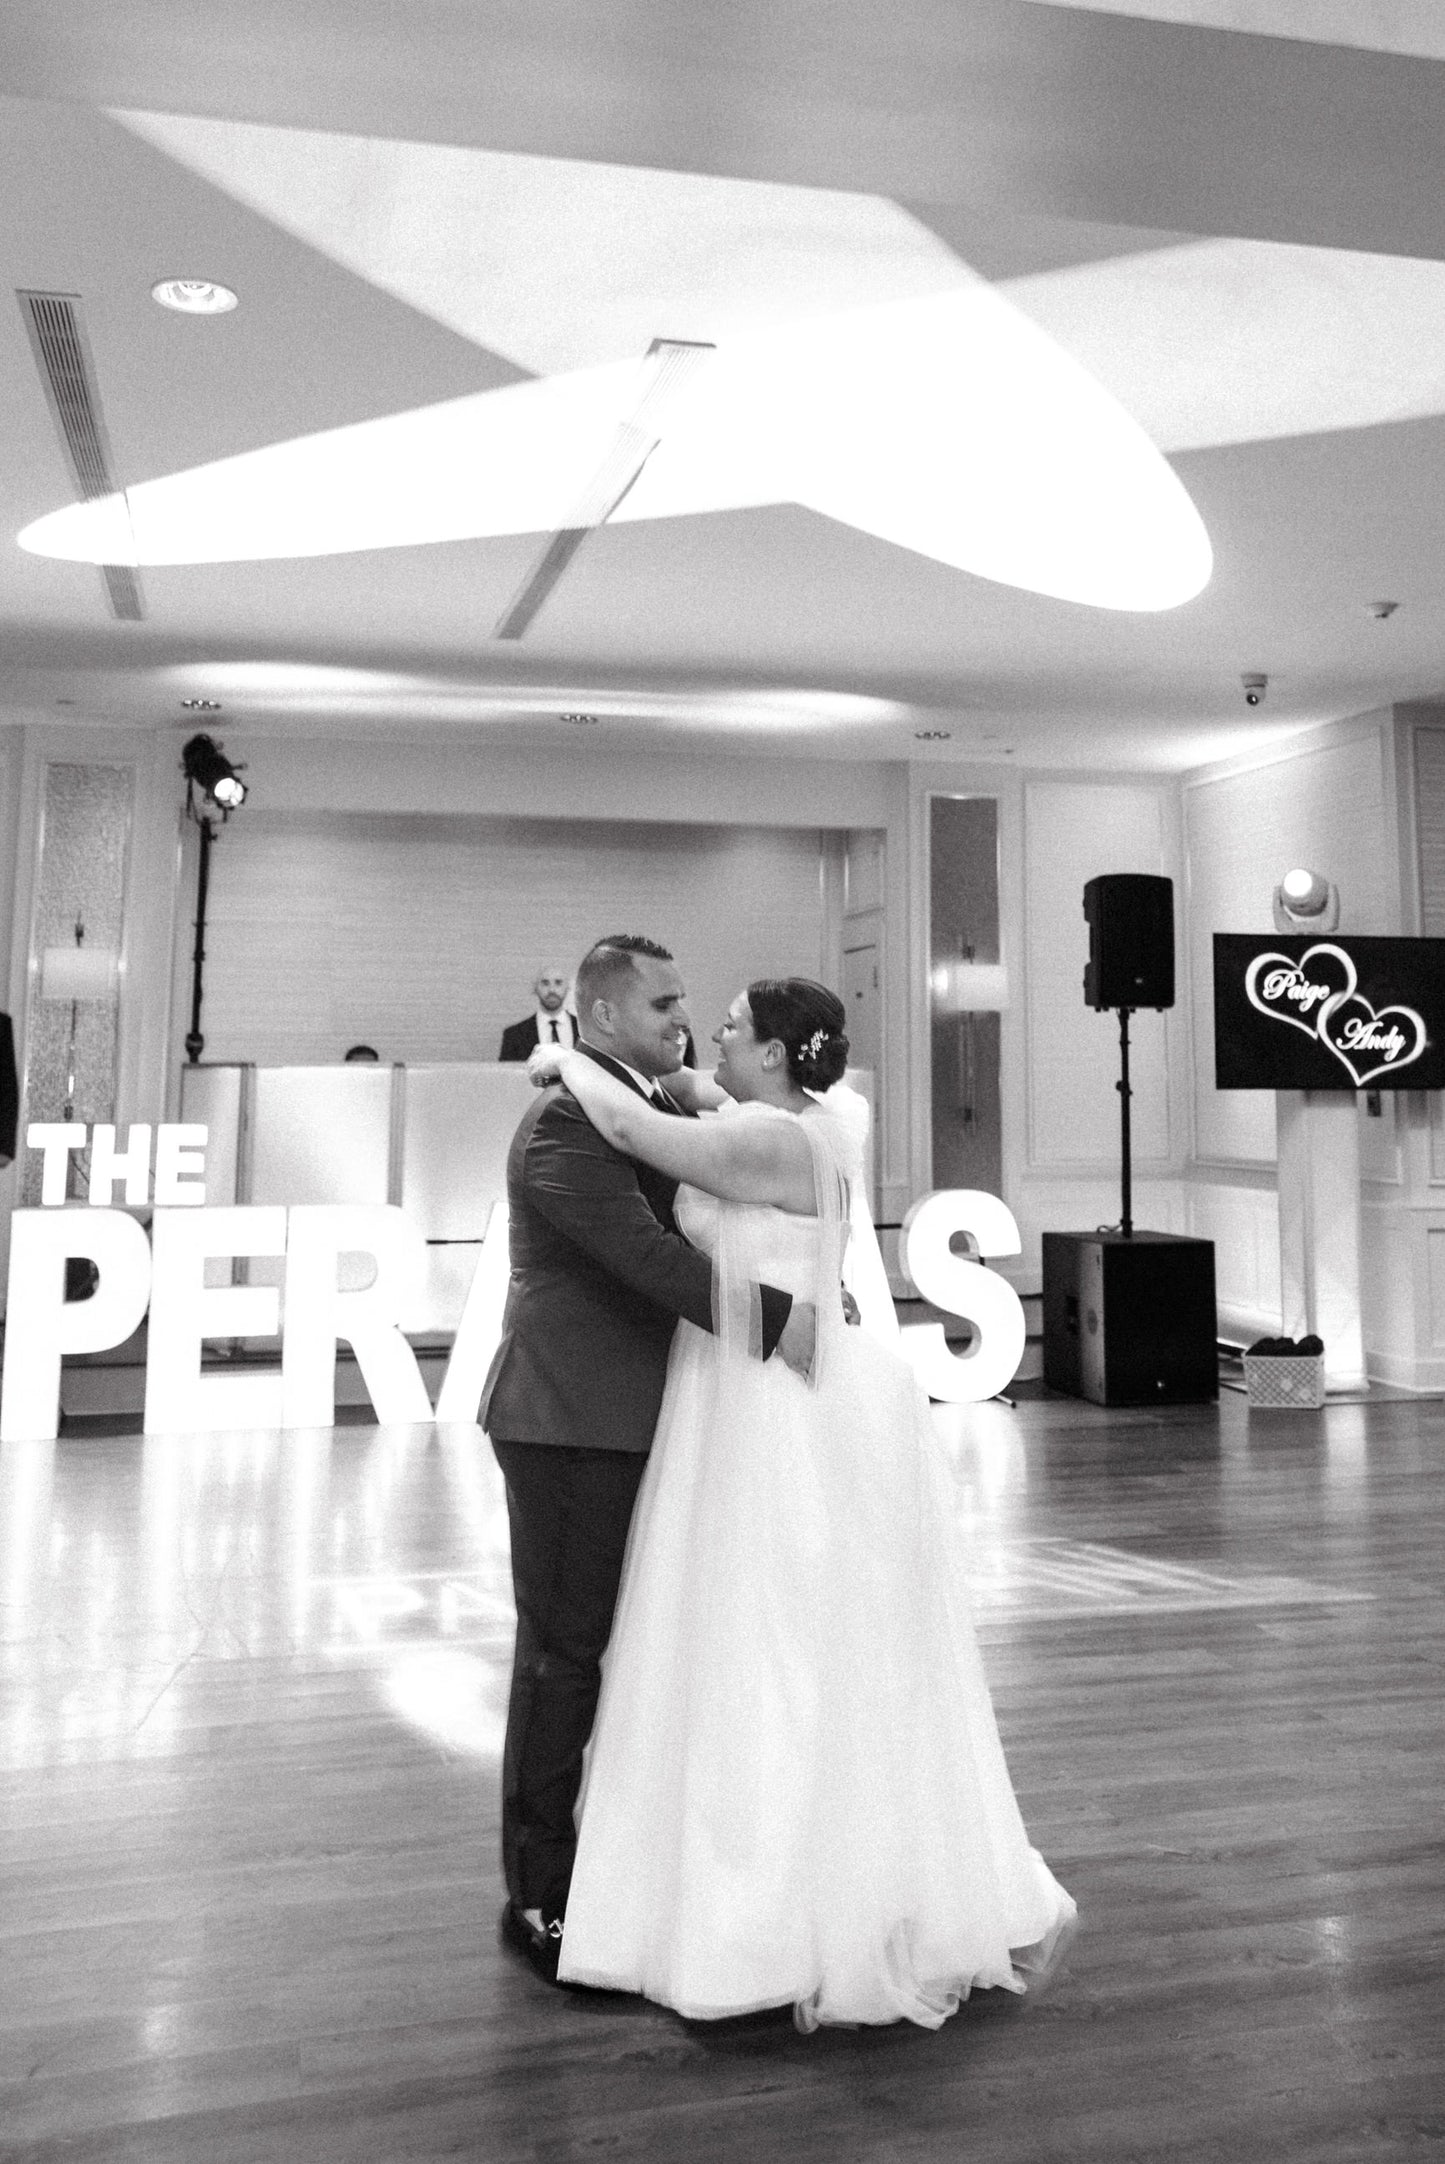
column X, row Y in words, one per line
column 40, row 1324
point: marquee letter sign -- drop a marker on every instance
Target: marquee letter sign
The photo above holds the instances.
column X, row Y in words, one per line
column 960, row 1287
column 167, row 1273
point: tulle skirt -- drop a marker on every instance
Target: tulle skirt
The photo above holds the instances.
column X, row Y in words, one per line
column 796, row 1791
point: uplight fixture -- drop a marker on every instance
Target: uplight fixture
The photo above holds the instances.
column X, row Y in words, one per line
column 194, row 296
column 580, row 721
column 201, row 706
column 1305, row 901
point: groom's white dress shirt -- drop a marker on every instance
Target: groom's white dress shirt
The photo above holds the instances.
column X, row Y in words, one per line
column 649, row 1088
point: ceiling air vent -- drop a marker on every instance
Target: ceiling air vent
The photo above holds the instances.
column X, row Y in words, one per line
column 57, row 339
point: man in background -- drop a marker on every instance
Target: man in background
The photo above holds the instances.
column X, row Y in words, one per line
column 549, row 1023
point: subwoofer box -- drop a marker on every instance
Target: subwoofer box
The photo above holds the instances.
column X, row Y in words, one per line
column 1130, row 1322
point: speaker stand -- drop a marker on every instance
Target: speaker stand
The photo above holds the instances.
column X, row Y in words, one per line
column 1126, row 1216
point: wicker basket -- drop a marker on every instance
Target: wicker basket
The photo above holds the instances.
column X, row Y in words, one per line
column 1275, row 1382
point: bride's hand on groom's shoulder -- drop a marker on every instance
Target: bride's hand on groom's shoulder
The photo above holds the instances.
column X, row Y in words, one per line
column 544, row 1066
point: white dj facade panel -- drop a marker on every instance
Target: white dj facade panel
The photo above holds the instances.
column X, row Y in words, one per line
column 421, row 935
column 457, row 1127
column 213, row 1098
column 322, row 1134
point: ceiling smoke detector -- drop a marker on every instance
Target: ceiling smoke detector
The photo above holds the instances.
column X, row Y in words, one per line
column 194, row 296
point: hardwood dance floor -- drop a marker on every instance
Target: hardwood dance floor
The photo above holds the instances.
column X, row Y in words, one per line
column 252, row 1700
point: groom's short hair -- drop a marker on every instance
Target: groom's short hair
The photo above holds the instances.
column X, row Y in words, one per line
column 607, row 962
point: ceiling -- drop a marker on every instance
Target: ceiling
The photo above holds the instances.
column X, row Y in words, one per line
column 461, row 205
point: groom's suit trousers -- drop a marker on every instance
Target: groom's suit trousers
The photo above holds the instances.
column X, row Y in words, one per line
column 569, row 1512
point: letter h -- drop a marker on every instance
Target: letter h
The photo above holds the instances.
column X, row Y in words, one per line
column 132, row 1164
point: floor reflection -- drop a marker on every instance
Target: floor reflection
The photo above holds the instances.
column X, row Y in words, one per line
column 133, row 1567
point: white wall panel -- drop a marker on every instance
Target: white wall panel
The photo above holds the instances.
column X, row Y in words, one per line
column 421, row 935
column 1073, row 831
column 1243, row 1223
column 1323, row 807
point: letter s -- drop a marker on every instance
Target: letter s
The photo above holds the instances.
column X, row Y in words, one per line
column 961, row 1287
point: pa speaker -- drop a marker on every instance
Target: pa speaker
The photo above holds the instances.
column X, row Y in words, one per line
column 1130, row 1322
column 1131, row 941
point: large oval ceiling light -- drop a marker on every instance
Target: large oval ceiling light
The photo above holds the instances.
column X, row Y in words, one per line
column 194, row 296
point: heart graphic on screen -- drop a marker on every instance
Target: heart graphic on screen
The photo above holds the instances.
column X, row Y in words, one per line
column 1299, row 992
column 1370, row 1043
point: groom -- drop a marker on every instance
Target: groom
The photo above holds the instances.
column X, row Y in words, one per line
column 600, row 1274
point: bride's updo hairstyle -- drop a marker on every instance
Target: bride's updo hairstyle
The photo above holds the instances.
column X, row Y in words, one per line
column 807, row 1020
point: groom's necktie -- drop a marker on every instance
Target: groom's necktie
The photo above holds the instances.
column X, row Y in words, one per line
column 556, row 1034
column 658, row 1096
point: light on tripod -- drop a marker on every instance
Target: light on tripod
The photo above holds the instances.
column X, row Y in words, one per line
column 206, row 765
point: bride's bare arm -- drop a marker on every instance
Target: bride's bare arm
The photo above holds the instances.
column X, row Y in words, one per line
column 741, row 1160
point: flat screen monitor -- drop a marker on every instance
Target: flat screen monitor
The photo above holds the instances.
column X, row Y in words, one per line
column 1301, row 1013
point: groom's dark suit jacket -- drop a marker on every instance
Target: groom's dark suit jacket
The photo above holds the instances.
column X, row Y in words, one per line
column 600, row 1274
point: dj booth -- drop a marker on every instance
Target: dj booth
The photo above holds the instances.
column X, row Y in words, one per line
column 433, row 1139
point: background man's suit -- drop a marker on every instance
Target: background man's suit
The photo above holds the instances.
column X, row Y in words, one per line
column 521, row 1039
column 600, row 1275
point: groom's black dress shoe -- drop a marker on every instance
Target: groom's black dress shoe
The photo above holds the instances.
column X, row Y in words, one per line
column 541, row 1948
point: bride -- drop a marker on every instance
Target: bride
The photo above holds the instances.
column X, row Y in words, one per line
column 796, row 1791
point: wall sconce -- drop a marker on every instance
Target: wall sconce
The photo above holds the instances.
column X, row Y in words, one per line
column 77, row 973
column 966, row 987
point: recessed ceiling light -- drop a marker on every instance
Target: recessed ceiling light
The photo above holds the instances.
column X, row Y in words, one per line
column 201, row 706
column 932, row 736
column 194, row 296
column 581, row 721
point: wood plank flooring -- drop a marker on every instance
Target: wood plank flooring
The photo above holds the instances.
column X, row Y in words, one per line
column 251, row 1695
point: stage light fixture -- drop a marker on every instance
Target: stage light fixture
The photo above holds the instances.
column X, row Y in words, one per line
column 206, row 766
column 1305, row 901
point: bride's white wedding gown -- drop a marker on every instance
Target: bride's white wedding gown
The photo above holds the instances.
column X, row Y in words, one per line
column 796, row 1791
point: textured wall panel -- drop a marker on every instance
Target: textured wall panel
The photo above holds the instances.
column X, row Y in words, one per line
column 422, row 935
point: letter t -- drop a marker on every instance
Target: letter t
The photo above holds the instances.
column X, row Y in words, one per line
column 55, row 1139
